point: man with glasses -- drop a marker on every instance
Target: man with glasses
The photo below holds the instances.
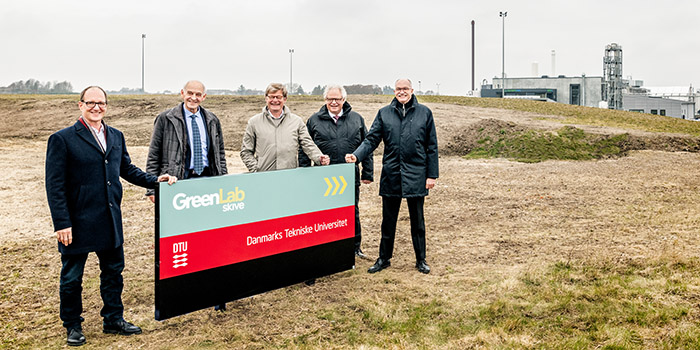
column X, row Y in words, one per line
column 338, row 130
column 273, row 137
column 83, row 166
column 187, row 141
column 409, row 168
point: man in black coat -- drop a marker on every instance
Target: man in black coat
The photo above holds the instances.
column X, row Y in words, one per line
column 83, row 166
column 409, row 168
column 337, row 130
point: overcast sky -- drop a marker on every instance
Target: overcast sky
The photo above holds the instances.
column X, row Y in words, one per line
column 229, row 43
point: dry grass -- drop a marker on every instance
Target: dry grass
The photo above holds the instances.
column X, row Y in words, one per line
column 558, row 254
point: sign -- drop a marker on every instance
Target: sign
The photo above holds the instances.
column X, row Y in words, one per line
column 223, row 238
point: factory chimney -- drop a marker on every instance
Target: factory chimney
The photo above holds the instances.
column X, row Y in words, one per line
column 554, row 63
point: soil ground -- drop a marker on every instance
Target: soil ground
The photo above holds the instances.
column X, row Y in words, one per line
column 489, row 219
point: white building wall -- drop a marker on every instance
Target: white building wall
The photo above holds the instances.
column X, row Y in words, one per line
column 590, row 87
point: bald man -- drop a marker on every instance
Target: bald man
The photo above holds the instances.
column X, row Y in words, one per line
column 172, row 149
column 187, row 141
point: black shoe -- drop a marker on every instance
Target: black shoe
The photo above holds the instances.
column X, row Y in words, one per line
column 220, row 307
column 360, row 254
column 120, row 327
column 75, row 337
column 381, row 264
column 423, row 267
column 310, row 282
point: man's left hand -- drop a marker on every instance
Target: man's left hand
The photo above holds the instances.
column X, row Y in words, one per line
column 429, row 183
column 169, row 178
column 325, row 159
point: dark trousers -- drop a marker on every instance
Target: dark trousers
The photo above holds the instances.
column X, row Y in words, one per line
column 358, row 227
column 390, row 214
column 111, row 285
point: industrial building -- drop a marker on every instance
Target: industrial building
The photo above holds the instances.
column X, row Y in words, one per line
column 609, row 91
column 581, row 91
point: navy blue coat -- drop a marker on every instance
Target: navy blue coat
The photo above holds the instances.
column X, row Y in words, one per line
column 83, row 187
column 410, row 148
column 337, row 140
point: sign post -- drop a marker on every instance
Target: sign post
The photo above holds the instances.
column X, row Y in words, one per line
column 224, row 238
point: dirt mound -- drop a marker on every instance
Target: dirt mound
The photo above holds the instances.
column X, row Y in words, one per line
column 475, row 135
column 462, row 142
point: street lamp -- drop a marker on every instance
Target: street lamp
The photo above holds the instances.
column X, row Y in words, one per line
column 291, row 86
column 419, row 89
column 503, row 59
column 143, row 39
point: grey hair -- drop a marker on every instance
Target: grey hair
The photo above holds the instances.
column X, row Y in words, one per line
column 335, row 87
column 409, row 82
column 197, row 82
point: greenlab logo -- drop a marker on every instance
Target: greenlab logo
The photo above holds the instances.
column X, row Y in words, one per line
column 233, row 200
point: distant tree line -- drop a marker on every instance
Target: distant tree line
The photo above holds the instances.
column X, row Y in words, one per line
column 33, row 86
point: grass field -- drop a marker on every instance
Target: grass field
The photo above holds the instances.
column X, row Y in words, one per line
column 599, row 253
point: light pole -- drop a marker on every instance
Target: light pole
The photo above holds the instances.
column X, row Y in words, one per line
column 143, row 61
column 291, row 86
column 503, row 59
column 419, row 89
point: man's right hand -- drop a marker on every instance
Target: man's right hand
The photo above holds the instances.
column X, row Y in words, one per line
column 350, row 158
column 65, row 236
column 152, row 198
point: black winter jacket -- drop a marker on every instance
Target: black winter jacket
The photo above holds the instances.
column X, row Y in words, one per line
column 410, row 148
column 338, row 140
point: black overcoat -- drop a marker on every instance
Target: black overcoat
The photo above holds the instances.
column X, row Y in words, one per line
column 410, row 148
column 337, row 140
column 83, row 187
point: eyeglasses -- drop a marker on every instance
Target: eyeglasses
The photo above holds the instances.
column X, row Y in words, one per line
column 338, row 100
column 275, row 97
column 91, row 104
column 402, row 88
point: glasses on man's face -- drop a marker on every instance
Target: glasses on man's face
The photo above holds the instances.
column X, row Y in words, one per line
column 92, row 104
column 275, row 97
column 403, row 88
column 337, row 100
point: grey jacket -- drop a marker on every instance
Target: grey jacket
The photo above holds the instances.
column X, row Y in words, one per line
column 273, row 145
column 169, row 150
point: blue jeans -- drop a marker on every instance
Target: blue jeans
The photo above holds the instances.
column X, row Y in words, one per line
column 111, row 285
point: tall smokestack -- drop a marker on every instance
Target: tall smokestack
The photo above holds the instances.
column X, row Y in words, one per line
column 472, row 55
column 535, row 69
column 554, row 63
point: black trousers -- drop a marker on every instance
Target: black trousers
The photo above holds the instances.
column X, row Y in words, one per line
column 111, row 285
column 358, row 227
column 390, row 214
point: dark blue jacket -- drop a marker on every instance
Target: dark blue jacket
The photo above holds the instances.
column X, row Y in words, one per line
column 337, row 140
column 410, row 148
column 83, row 187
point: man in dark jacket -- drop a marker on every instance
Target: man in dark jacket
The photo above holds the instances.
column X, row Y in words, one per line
column 172, row 150
column 409, row 168
column 337, row 130
column 83, row 166
column 187, row 141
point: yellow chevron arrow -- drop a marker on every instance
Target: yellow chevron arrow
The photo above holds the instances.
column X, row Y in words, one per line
column 337, row 186
column 345, row 184
column 329, row 186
